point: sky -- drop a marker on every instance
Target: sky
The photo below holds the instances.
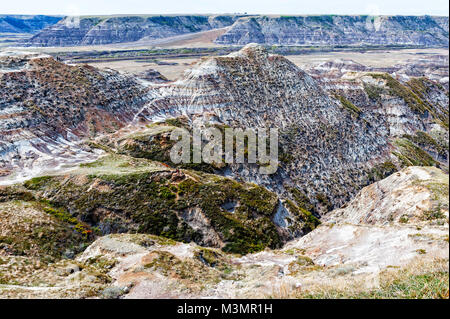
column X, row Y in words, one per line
column 288, row 7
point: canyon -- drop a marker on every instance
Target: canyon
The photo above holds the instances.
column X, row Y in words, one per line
column 93, row 207
column 338, row 30
column 117, row 29
column 238, row 29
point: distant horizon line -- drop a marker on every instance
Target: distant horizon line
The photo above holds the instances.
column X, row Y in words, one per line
column 221, row 14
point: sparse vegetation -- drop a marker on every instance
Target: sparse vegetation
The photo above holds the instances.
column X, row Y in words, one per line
column 309, row 220
column 418, row 280
column 373, row 92
column 398, row 89
column 42, row 235
column 140, row 197
column 382, row 170
column 411, row 155
column 353, row 109
column 425, row 140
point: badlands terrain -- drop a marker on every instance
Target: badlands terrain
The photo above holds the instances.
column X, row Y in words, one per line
column 91, row 205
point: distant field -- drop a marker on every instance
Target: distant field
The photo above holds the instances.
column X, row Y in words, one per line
column 191, row 40
column 371, row 58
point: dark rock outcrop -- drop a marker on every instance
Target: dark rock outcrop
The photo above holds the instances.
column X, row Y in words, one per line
column 153, row 76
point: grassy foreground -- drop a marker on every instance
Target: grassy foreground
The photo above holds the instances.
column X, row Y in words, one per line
column 418, row 280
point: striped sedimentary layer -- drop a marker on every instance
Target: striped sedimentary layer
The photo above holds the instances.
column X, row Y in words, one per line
column 47, row 107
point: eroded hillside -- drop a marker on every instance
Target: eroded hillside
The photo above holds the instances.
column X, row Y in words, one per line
column 376, row 254
column 95, row 30
column 338, row 30
column 330, row 147
column 47, row 107
column 109, row 215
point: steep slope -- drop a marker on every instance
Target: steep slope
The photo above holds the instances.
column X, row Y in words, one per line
column 67, row 32
column 415, row 195
column 46, row 107
column 25, row 23
column 414, row 109
column 348, row 252
column 387, row 223
column 361, row 127
column 338, row 30
column 332, row 142
column 117, row 29
column 326, row 153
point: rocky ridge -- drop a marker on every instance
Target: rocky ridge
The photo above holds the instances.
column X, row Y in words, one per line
column 117, row 29
column 359, row 128
column 413, row 104
column 371, row 255
column 347, row 135
column 338, row 30
column 118, row 193
column 25, row 23
column 163, row 230
column 47, row 107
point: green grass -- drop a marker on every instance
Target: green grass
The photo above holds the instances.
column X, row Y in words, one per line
column 373, row 92
column 353, row 109
column 428, row 285
column 118, row 164
column 125, row 194
column 37, row 182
